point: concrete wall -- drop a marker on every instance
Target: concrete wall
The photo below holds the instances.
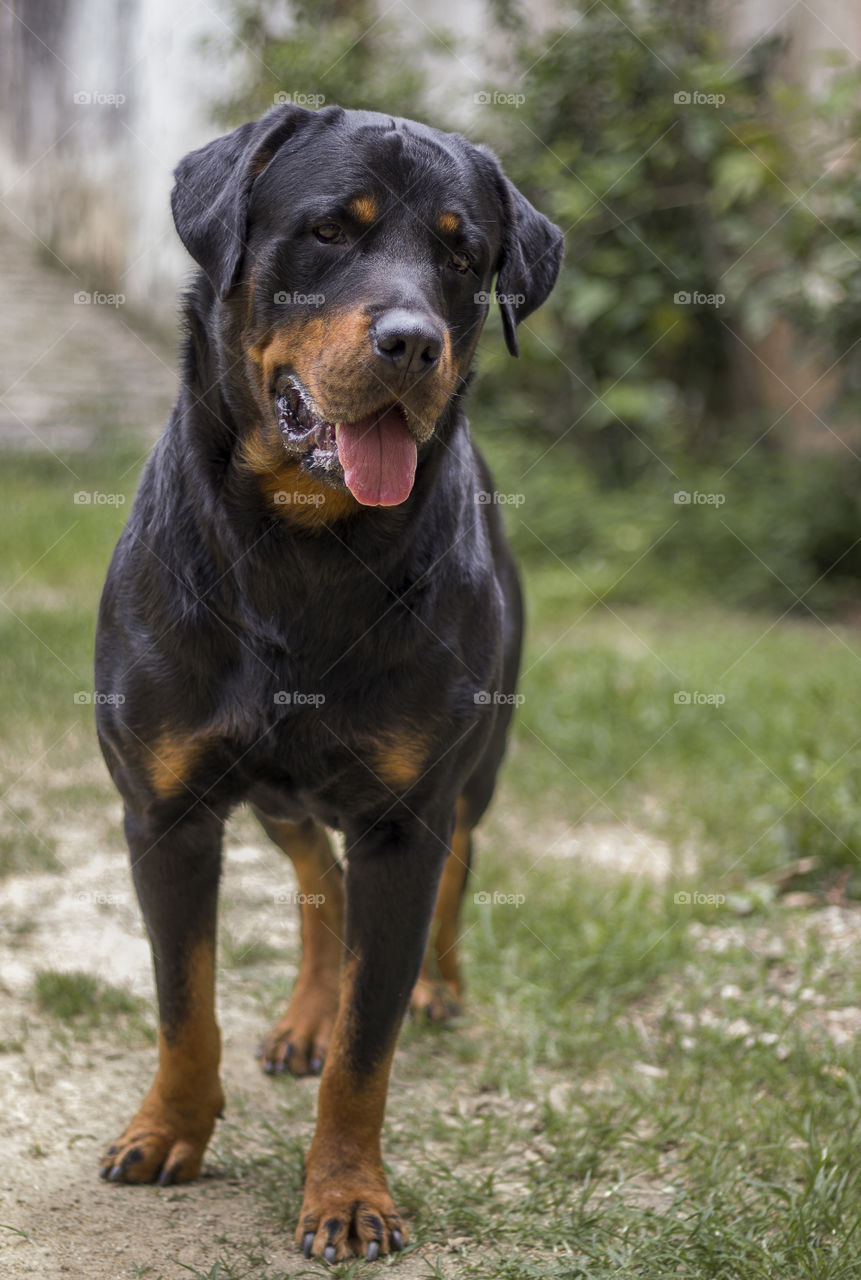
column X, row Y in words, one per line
column 98, row 100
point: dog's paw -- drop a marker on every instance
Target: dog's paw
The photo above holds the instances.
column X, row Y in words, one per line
column 299, row 1040
column 353, row 1215
column 434, row 1001
column 163, row 1143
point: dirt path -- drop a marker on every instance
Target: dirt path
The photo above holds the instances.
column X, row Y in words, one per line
column 60, row 1103
column 63, row 1097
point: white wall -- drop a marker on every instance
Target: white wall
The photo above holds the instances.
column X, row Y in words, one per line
column 91, row 178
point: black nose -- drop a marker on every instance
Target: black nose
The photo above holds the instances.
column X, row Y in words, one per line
column 409, row 341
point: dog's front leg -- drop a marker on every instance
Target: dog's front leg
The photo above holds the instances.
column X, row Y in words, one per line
column 175, row 865
column 392, row 875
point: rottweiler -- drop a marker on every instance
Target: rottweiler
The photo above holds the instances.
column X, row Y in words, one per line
column 313, row 609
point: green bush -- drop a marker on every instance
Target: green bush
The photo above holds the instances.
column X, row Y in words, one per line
column 785, row 535
column 660, row 198
column 624, row 395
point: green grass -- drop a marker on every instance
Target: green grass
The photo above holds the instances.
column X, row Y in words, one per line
column 82, row 1001
column 57, row 552
column 601, row 1111
column 22, row 847
column 245, row 953
column 640, row 1087
column 765, row 777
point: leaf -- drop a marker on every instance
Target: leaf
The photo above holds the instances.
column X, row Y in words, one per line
column 738, row 176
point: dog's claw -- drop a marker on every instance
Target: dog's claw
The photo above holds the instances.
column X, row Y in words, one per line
column 373, row 1251
column 397, row 1240
column 329, row 1253
column 316, row 1066
column 308, row 1243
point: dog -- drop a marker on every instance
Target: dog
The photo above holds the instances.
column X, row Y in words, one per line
column 313, row 609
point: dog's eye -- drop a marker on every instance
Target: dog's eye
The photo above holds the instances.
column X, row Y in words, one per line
column 461, row 262
column 328, row 232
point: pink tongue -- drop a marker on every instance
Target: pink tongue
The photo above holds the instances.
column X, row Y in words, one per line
column 378, row 455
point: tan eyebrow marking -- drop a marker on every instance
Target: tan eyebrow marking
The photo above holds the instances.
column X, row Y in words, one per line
column 364, row 209
column 448, row 223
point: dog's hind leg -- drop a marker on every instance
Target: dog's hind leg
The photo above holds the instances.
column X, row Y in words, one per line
column 298, row 1041
column 437, row 993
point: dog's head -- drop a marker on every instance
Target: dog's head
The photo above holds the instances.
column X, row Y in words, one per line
column 357, row 254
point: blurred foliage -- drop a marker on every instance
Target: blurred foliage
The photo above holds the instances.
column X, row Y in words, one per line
column 661, row 197
column 348, row 52
column 749, row 192
column 785, row 535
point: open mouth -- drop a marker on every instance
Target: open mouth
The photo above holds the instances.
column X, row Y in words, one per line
column 376, row 454
column 299, row 424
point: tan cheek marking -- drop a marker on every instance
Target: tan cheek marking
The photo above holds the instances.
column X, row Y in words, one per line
column 364, row 209
column 305, row 345
column 446, row 360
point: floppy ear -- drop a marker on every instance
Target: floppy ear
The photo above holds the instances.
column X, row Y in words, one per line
column 213, row 187
column 529, row 260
